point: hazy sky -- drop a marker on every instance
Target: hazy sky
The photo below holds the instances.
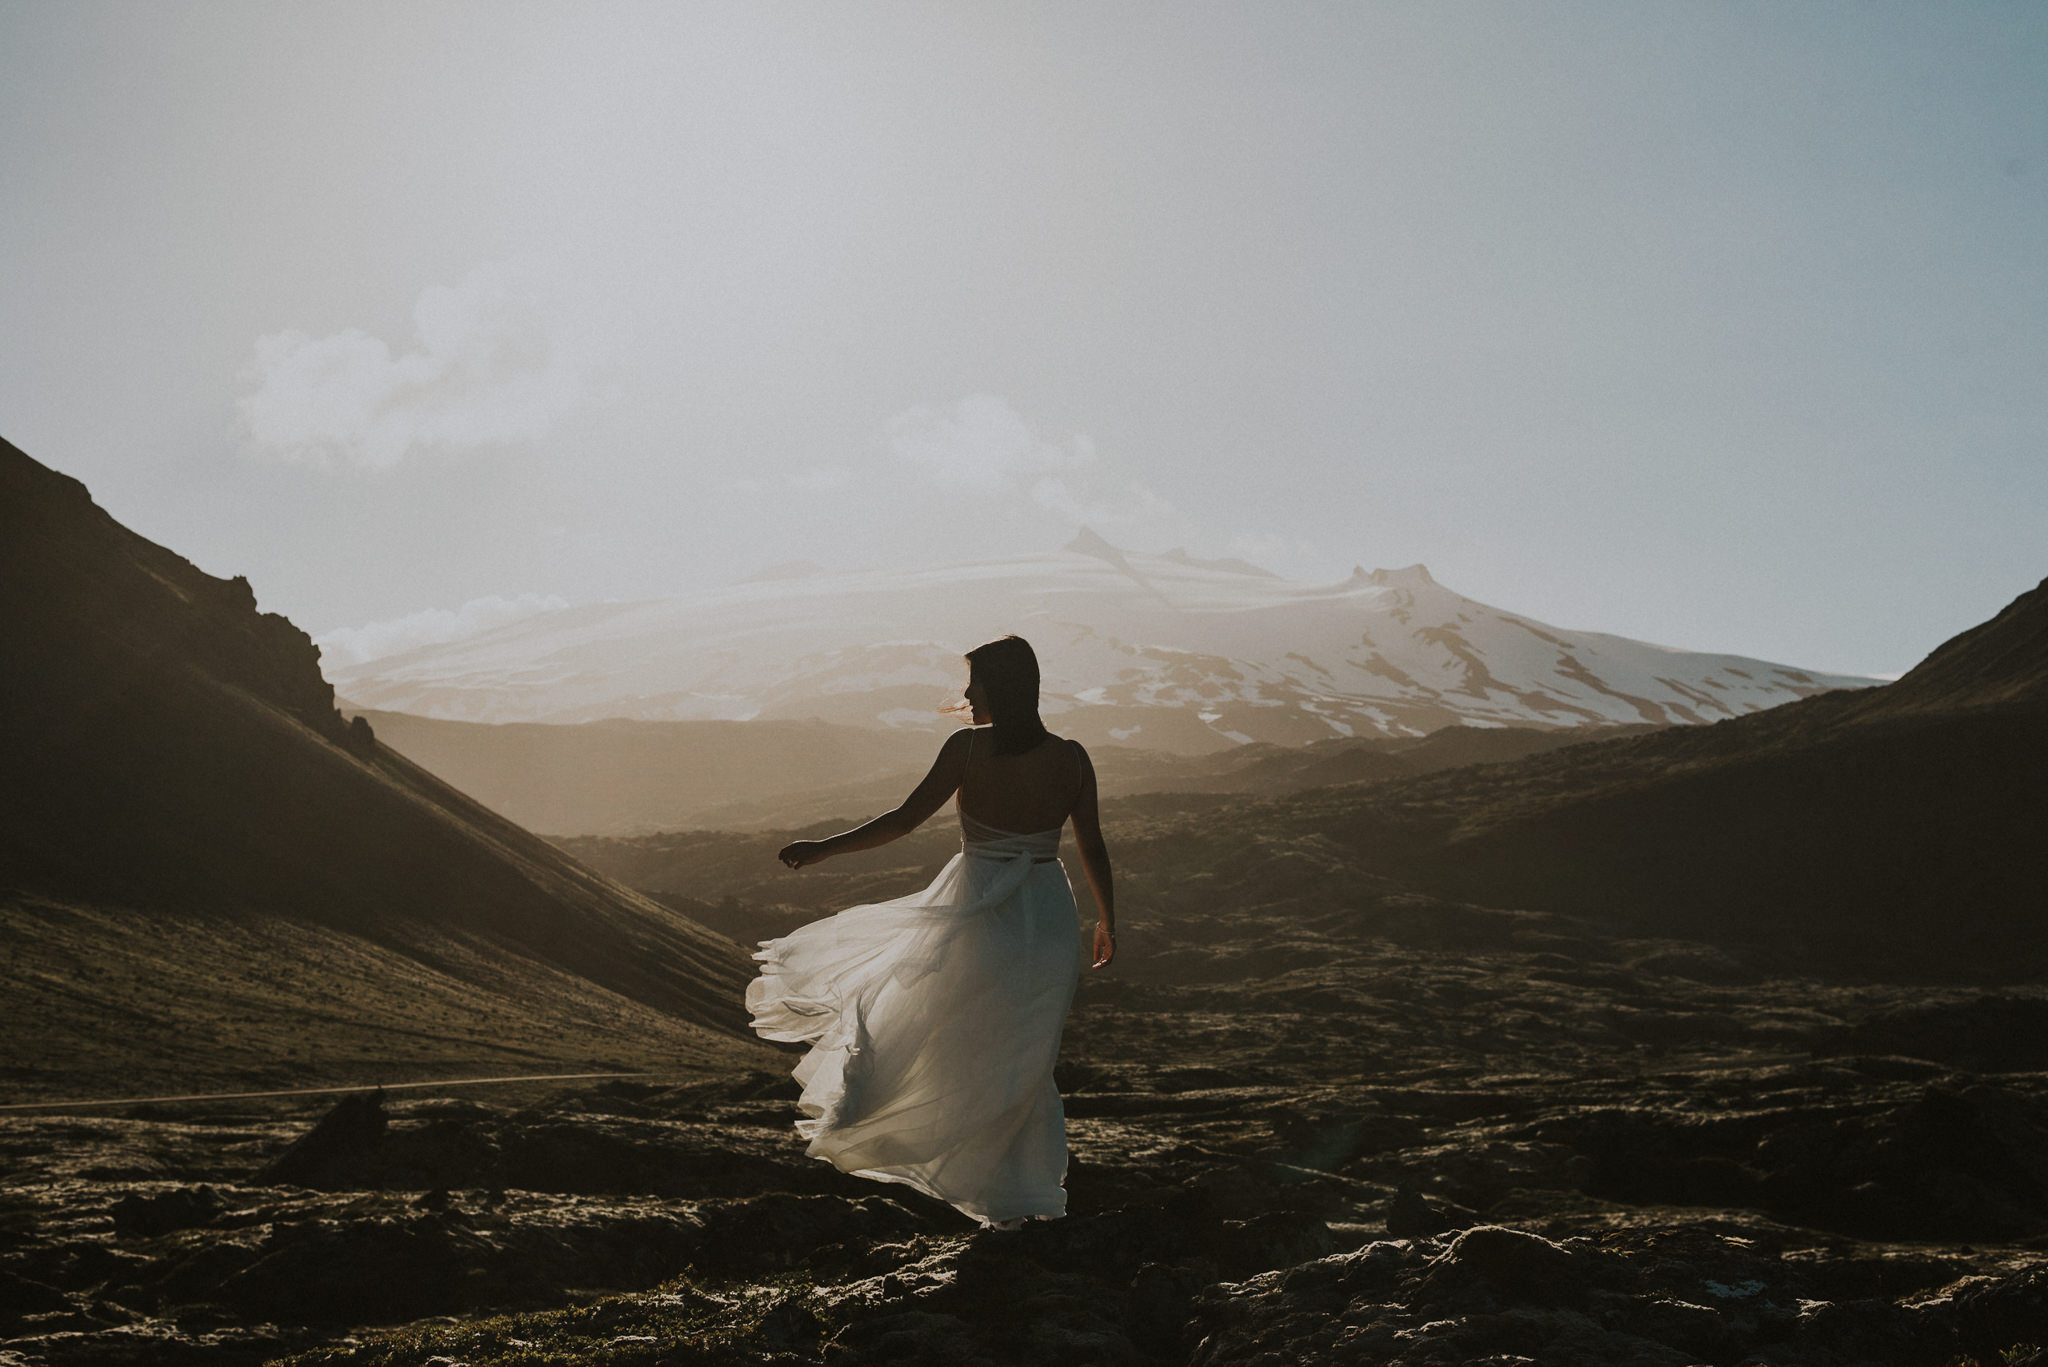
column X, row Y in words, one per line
column 1722, row 325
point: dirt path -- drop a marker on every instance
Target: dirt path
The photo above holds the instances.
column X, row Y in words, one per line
column 312, row 1091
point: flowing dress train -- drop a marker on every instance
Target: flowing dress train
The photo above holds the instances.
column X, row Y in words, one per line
column 934, row 1021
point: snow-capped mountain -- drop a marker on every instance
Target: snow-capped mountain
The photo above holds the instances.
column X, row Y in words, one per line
column 1163, row 651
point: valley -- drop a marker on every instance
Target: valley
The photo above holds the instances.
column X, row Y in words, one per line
column 1412, row 1132
column 1660, row 1044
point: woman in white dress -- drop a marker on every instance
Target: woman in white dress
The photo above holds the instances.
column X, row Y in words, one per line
column 934, row 1019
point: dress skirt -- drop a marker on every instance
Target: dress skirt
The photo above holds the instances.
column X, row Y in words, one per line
column 933, row 1022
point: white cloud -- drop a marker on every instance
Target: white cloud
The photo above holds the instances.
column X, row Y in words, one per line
column 1128, row 507
column 980, row 442
column 981, row 445
column 349, row 646
column 489, row 370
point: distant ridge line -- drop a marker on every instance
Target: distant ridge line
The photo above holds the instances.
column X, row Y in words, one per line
column 1189, row 655
column 314, row 1091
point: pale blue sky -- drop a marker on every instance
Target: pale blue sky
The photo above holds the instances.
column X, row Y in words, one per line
column 1722, row 325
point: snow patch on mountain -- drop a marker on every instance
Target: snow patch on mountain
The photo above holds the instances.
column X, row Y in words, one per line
column 1158, row 650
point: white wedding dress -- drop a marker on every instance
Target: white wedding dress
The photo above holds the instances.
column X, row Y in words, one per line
column 933, row 1022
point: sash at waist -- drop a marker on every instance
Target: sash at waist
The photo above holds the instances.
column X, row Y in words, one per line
column 980, row 840
column 1035, row 848
column 1011, row 869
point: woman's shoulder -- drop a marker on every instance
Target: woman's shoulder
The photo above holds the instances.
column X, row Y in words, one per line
column 968, row 743
column 1071, row 750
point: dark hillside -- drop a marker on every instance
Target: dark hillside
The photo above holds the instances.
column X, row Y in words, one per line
column 1898, row 830
column 623, row 777
column 170, row 751
column 2003, row 662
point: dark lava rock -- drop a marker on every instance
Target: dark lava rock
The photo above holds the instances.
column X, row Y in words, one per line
column 573, row 1147
column 779, row 1231
column 1115, row 1286
column 1511, row 1260
column 387, row 1270
column 1993, row 1317
column 345, row 1137
column 1279, row 1238
column 1157, row 1307
column 911, row 1338
column 1954, row 1159
column 1961, row 1162
column 24, row 1297
column 1412, row 1216
column 1673, row 1295
column 1987, row 1034
column 1871, row 1331
column 1492, row 1294
column 146, row 1217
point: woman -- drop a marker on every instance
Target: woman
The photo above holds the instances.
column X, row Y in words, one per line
column 934, row 1019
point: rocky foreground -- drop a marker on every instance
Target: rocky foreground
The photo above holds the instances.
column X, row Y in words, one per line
column 1423, row 1133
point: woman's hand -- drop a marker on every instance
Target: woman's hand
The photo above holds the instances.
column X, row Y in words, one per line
column 798, row 853
column 1105, row 945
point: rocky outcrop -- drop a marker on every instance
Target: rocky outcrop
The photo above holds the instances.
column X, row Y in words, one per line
column 93, row 612
column 1636, row 1297
column 347, row 1137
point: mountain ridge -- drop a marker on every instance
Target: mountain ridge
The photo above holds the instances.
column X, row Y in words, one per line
column 1160, row 651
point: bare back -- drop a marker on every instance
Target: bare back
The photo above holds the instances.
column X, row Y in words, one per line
column 1031, row 794
column 1022, row 793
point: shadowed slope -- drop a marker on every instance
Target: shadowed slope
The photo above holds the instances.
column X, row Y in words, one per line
column 620, row 777
column 171, row 751
column 1897, row 830
column 2002, row 662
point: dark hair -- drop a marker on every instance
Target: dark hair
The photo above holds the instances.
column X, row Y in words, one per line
column 1007, row 670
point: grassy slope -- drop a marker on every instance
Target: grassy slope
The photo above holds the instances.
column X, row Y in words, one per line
column 1894, row 830
column 106, row 1002
column 174, row 758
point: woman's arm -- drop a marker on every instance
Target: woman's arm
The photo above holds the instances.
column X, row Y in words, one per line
column 1095, row 859
column 938, row 785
